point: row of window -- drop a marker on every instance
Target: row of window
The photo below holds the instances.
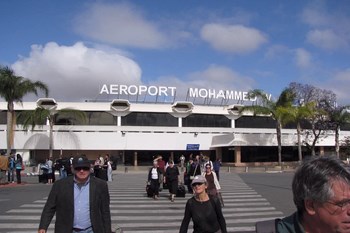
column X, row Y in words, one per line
column 165, row 119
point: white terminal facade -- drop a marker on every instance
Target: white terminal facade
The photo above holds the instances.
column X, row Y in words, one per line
column 134, row 132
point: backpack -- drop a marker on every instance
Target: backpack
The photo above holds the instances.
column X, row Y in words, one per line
column 267, row 226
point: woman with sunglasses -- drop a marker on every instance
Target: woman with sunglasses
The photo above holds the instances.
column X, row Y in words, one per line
column 212, row 180
column 205, row 211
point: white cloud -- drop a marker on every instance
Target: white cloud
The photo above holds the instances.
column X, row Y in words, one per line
column 120, row 24
column 214, row 77
column 276, row 52
column 329, row 28
column 302, row 58
column 232, row 38
column 326, row 39
column 76, row 72
column 315, row 16
column 339, row 84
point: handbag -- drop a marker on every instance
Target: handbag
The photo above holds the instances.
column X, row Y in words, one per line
column 192, row 177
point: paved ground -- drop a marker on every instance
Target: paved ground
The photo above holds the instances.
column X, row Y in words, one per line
column 134, row 212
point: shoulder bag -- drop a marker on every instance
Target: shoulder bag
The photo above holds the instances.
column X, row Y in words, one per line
column 192, row 177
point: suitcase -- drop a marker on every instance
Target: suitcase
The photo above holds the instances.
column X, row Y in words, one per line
column 181, row 191
column 149, row 191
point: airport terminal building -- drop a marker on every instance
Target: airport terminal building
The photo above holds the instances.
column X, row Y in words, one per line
column 135, row 131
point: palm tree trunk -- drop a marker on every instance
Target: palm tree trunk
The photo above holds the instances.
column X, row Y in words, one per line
column 300, row 155
column 337, row 129
column 279, row 141
column 51, row 137
column 10, row 127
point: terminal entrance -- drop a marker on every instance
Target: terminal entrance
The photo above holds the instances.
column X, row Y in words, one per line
column 145, row 158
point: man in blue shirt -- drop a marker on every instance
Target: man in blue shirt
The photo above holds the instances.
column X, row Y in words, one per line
column 81, row 203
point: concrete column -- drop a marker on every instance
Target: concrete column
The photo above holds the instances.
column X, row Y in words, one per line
column 119, row 120
column 179, row 123
column 172, row 156
column 123, row 157
column 233, row 123
column 218, row 153
column 135, row 159
column 237, row 154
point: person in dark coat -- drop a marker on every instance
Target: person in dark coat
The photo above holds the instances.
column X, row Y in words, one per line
column 194, row 170
column 80, row 202
column 154, row 176
column 172, row 179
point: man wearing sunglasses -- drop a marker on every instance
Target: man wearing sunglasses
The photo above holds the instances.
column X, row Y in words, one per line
column 321, row 191
column 81, row 203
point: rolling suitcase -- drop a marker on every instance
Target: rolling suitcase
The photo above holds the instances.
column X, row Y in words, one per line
column 149, row 191
column 181, row 191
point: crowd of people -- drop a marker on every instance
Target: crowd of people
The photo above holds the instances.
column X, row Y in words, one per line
column 321, row 193
column 10, row 168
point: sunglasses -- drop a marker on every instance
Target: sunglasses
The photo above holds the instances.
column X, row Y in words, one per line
column 82, row 168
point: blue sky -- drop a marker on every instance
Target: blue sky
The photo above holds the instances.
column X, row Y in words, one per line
column 77, row 46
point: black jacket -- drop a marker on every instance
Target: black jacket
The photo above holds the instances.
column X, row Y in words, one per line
column 61, row 202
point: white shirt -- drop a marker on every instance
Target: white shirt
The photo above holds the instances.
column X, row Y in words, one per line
column 154, row 173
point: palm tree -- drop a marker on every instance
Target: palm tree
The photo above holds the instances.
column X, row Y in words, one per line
column 296, row 114
column 338, row 117
column 40, row 115
column 266, row 106
column 13, row 88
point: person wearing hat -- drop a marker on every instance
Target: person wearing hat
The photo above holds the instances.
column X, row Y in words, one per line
column 204, row 211
column 81, row 203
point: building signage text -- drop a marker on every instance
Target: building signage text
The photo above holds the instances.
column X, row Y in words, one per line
column 115, row 89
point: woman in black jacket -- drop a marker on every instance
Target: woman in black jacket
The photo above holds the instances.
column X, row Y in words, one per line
column 172, row 179
column 154, row 176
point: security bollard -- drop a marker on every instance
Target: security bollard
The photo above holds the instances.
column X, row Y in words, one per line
column 126, row 169
column 246, row 169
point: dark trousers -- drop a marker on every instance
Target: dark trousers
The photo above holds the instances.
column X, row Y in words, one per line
column 155, row 186
column 172, row 185
column 18, row 175
column 217, row 175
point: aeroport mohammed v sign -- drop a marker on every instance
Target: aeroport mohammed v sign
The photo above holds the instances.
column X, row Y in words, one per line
column 115, row 89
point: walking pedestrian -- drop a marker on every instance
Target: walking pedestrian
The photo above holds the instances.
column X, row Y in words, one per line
column 154, row 175
column 212, row 181
column 81, row 203
column 217, row 166
column 172, row 179
column 195, row 170
column 204, row 211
